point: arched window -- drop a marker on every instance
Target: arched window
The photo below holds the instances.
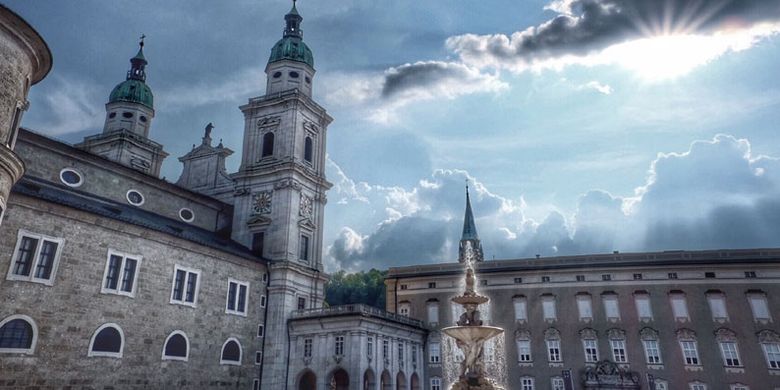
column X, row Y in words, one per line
column 268, row 144
column 18, row 334
column 177, row 346
column 231, row 352
column 108, row 340
column 307, row 149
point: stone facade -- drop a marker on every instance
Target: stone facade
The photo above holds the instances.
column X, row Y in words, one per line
column 698, row 277
column 24, row 60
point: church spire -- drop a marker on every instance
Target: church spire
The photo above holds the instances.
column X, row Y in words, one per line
column 470, row 248
column 293, row 19
column 138, row 63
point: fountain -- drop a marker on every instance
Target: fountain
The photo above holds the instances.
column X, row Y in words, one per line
column 470, row 334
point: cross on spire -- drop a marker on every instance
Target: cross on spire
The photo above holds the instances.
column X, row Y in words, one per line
column 142, row 40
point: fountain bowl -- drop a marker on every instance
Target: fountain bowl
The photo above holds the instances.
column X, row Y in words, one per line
column 470, row 299
column 472, row 334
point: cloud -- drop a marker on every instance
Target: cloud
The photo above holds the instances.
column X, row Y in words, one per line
column 71, row 106
column 717, row 194
column 596, row 86
column 676, row 35
column 384, row 94
column 234, row 87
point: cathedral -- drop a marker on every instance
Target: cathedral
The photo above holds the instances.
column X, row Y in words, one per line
column 115, row 278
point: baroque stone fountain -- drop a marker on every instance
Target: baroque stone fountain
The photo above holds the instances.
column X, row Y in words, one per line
column 470, row 334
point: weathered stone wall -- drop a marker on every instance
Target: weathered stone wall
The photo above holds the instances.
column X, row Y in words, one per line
column 68, row 312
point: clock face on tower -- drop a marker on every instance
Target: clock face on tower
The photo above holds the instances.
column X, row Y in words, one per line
column 261, row 202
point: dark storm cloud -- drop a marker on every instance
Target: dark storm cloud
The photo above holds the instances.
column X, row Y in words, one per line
column 585, row 26
column 444, row 78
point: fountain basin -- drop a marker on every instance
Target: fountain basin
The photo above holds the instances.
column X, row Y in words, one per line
column 470, row 299
column 472, row 334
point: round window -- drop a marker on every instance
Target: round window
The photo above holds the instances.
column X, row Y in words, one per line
column 135, row 198
column 127, row 114
column 277, row 75
column 308, row 80
column 186, row 215
column 71, row 177
column 294, row 75
column 112, row 115
column 142, row 118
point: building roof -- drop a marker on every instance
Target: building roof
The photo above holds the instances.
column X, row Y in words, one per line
column 355, row 310
column 612, row 260
column 291, row 47
column 469, row 227
column 79, row 200
column 33, row 42
column 134, row 88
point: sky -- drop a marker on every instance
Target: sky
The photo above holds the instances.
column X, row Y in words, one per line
column 582, row 126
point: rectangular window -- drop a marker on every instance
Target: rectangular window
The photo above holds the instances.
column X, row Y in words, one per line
column 404, row 309
column 618, row 351
column 258, row 242
column 730, row 354
column 717, row 306
column 606, row 277
column 260, row 330
column 431, row 284
column 759, row 307
column 709, row 275
column 672, row 275
column 339, row 346
column 557, row 384
column 370, row 346
column 307, row 347
column 521, row 313
column 554, row 350
column 643, row 309
column 120, row 274
column 580, row 278
column 518, row 280
column 679, row 307
column 591, row 350
column 414, row 354
column 750, row 274
column 548, row 308
column 185, row 286
column 400, row 352
column 690, row 353
column 404, row 287
column 301, row 303
column 527, row 383
column 772, row 354
column 545, row 279
column 304, row 249
column 652, row 351
column 637, row 276
column 386, row 350
column 237, row 297
column 262, row 300
column 483, row 282
column 611, row 308
column 433, row 312
column 256, row 384
column 524, row 351
column 584, row 307
column 434, row 353
column 435, row 383
column 258, row 357
column 35, row 258
column 698, row 386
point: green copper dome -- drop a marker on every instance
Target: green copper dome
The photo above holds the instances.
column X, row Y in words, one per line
column 134, row 88
column 293, row 49
column 134, row 91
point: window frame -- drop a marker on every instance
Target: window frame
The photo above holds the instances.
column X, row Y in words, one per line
column 712, row 299
column 520, row 302
column 594, row 347
column 435, row 383
column 608, row 300
column 550, row 347
column 304, row 251
column 437, row 355
column 260, row 331
column 73, row 170
column 695, row 350
column 33, row 343
column 139, row 204
column 527, row 383
column 188, row 271
column 118, row 355
column 240, row 353
column 584, row 301
column 761, row 296
column 36, row 258
column 616, row 345
column 681, row 297
column 238, row 293
column 550, row 300
column 733, row 344
column 764, row 348
column 657, row 348
column 176, row 358
column 529, row 351
column 122, row 264
column 308, row 347
column 339, row 343
column 646, row 303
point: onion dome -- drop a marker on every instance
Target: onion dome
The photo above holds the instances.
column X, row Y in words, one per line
column 291, row 46
column 134, row 88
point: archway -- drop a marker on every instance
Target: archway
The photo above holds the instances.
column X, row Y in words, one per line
column 387, row 384
column 415, row 381
column 339, row 380
column 369, row 380
column 307, row 381
column 400, row 381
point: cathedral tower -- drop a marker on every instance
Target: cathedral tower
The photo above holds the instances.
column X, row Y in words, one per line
column 280, row 190
column 129, row 114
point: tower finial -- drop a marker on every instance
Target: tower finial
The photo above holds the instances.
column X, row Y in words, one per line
column 142, row 40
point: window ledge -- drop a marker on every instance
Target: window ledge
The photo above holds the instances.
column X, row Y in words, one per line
column 556, row 364
column 774, row 371
column 693, row 368
column 735, row 370
column 525, row 364
column 20, row 278
column 105, row 291
column 235, row 313
column 182, row 303
column 655, row 366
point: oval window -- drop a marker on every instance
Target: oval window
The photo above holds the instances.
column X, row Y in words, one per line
column 112, row 115
column 70, row 177
column 277, row 75
column 294, row 75
column 308, row 80
column 186, row 215
column 127, row 114
column 135, row 198
column 142, row 118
